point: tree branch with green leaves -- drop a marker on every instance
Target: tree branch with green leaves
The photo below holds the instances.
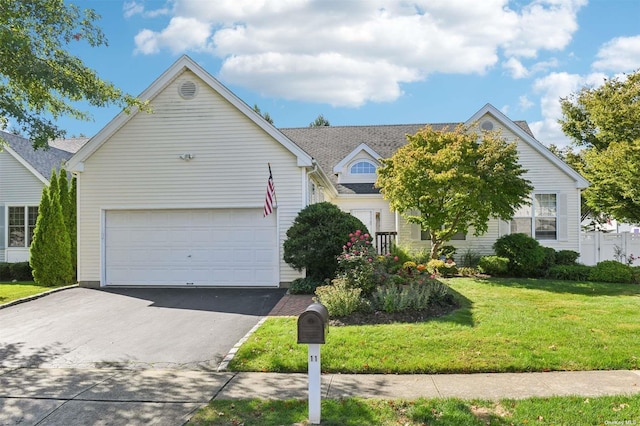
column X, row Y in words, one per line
column 39, row 79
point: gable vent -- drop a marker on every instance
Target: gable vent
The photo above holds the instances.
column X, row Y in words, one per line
column 487, row 125
column 188, row 89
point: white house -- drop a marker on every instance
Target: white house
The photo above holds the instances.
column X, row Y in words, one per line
column 175, row 197
column 23, row 173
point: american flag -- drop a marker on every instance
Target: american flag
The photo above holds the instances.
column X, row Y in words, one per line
column 270, row 199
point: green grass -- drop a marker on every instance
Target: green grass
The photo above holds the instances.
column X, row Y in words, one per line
column 14, row 291
column 621, row 410
column 504, row 325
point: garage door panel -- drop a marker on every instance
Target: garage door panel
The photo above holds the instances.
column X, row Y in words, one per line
column 223, row 247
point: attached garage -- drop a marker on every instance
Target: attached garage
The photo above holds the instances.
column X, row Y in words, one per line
column 195, row 247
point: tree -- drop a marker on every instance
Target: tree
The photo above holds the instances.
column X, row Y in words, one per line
column 316, row 238
column 39, row 79
column 319, row 122
column 606, row 121
column 266, row 115
column 596, row 117
column 67, row 198
column 449, row 181
column 50, row 256
column 72, row 225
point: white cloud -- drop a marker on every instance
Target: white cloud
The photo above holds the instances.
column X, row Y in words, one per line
column 309, row 49
column 552, row 88
column 544, row 25
column 132, row 8
column 515, row 68
column 338, row 80
column 619, row 55
column 181, row 34
column 524, row 103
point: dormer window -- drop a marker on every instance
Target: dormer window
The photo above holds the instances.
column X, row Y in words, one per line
column 363, row 168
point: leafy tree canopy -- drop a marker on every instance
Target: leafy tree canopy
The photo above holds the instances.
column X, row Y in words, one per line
column 596, row 117
column 266, row 115
column 39, row 79
column 606, row 120
column 319, row 122
column 449, row 181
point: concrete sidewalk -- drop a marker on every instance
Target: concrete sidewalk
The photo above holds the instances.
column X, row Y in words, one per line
column 57, row 396
column 466, row 386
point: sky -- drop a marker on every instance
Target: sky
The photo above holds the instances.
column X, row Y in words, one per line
column 366, row 62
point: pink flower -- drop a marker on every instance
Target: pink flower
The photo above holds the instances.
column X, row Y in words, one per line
column 358, row 232
column 368, row 242
column 370, row 259
column 353, row 239
column 395, row 258
column 348, row 244
column 362, row 237
column 433, row 277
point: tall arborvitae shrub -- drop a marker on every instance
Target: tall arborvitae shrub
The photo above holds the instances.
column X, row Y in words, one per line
column 50, row 257
column 72, row 225
column 68, row 204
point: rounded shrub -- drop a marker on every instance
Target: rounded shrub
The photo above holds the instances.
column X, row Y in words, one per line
column 526, row 256
column 573, row 272
column 567, row 257
column 5, row 271
column 493, row 265
column 548, row 261
column 306, row 285
column 316, row 238
column 611, row 271
column 21, row 271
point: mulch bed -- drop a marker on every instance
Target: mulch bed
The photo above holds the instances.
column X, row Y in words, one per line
column 381, row 317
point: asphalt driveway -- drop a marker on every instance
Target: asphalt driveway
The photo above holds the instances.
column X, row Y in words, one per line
column 138, row 328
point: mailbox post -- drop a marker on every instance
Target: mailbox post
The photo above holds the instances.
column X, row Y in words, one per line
column 312, row 330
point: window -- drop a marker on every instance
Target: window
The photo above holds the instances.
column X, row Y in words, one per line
column 363, row 168
column 22, row 224
column 539, row 219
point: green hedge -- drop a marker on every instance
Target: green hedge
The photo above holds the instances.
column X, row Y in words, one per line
column 19, row 271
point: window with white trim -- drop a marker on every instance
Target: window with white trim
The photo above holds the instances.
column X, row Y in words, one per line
column 539, row 219
column 21, row 225
column 362, row 168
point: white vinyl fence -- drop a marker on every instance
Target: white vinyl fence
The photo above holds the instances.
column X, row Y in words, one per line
column 598, row 246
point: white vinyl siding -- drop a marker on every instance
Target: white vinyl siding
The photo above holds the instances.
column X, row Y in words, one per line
column 18, row 186
column 139, row 167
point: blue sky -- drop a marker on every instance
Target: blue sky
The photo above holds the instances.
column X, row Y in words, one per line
column 372, row 61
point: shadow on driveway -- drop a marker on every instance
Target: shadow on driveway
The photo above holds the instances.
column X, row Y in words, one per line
column 244, row 301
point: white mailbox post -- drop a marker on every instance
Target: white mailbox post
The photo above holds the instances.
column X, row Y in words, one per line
column 312, row 329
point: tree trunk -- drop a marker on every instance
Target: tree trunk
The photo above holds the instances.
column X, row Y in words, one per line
column 435, row 246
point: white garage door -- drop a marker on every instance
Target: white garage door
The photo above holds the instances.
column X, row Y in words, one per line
column 208, row 247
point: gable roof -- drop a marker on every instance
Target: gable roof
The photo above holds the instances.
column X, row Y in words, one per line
column 40, row 162
column 330, row 145
column 362, row 147
column 183, row 64
column 528, row 137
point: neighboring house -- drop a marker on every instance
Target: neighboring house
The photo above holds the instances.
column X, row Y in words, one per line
column 23, row 173
column 175, row 197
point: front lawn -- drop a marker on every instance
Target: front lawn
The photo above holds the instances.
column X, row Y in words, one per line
column 614, row 410
column 504, row 325
column 14, row 291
